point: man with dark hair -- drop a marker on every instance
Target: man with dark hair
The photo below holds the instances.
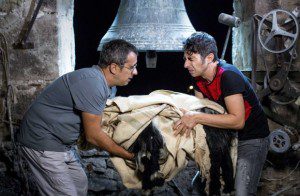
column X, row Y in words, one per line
column 226, row 85
column 75, row 101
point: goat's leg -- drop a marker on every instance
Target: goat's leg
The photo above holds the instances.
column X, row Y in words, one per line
column 215, row 159
column 215, row 185
column 227, row 172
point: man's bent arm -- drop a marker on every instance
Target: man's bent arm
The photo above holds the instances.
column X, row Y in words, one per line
column 234, row 119
column 95, row 135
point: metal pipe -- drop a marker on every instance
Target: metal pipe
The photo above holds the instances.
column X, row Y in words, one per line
column 226, row 43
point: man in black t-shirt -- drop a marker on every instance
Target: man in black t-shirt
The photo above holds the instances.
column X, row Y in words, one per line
column 226, row 85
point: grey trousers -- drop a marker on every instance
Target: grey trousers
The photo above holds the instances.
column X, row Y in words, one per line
column 251, row 158
column 56, row 173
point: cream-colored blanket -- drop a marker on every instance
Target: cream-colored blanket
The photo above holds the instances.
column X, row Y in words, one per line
column 125, row 117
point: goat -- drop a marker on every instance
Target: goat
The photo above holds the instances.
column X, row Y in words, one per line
column 219, row 143
column 150, row 152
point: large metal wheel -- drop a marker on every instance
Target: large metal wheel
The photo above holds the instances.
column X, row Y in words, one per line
column 278, row 31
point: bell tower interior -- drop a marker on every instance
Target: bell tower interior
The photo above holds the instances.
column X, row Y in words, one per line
column 91, row 22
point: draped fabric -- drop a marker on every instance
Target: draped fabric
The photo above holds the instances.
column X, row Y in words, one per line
column 125, row 118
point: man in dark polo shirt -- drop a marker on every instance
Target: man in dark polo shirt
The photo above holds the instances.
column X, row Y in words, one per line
column 226, row 85
column 74, row 102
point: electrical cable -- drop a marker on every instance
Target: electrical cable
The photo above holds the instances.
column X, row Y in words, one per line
column 275, row 179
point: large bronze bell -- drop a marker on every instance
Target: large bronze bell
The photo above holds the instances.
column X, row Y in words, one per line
column 151, row 25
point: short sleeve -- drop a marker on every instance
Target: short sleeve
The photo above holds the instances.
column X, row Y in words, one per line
column 89, row 95
column 232, row 83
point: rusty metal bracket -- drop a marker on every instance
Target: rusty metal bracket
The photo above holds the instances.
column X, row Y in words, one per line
column 21, row 42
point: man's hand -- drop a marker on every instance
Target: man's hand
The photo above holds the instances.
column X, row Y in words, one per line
column 187, row 122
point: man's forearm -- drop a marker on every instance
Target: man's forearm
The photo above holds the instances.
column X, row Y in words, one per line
column 223, row 121
column 103, row 141
column 95, row 135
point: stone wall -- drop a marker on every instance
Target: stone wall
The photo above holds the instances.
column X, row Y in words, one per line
column 30, row 70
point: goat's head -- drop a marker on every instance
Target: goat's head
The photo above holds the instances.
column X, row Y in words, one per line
column 150, row 152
